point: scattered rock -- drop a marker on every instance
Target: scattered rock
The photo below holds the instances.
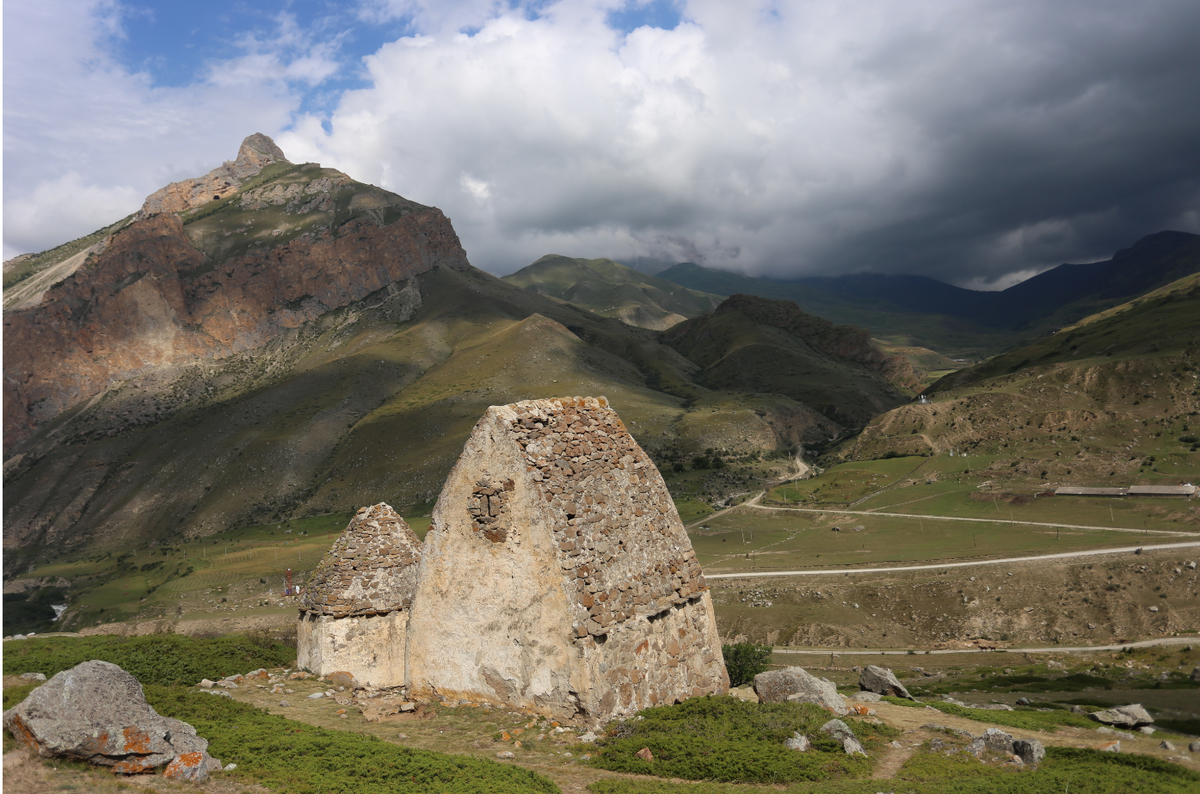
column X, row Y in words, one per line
column 797, row 685
column 841, row 731
column 219, row 693
column 505, row 754
column 1078, row 710
column 1022, row 701
column 867, row 697
column 976, row 747
column 588, row 737
column 97, row 712
column 342, row 678
column 645, row 754
column 1194, row 747
column 998, row 741
column 881, row 680
column 798, row 742
column 34, row 676
column 316, row 696
column 1147, row 730
column 284, row 704
column 206, row 683
column 1165, row 745
column 1111, row 747
column 229, row 767
column 1131, row 716
column 1030, row 751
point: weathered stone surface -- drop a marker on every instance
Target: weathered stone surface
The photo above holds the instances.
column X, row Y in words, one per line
column 557, row 576
column 371, row 569
column 867, row 697
column 354, row 617
column 841, row 731
column 798, row 742
column 797, row 685
column 881, row 681
column 1131, row 716
column 998, row 741
column 1194, row 747
column 1031, row 751
column 96, row 712
column 645, row 754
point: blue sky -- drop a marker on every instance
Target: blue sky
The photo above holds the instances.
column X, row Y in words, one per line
column 976, row 141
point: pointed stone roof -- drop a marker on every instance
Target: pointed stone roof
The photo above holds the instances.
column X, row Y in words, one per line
column 371, row 568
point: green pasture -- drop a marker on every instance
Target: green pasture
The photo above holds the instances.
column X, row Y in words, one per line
column 751, row 539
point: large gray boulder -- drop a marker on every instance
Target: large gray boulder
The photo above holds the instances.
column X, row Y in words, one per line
column 797, row 685
column 97, row 712
column 881, row 681
column 1131, row 716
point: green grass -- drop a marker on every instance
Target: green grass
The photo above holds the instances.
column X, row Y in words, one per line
column 297, row 758
column 152, row 659
column 1063, row 770
column 726, row 739
column 1019, row 718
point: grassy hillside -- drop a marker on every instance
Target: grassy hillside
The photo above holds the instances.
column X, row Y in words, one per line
column 613, row 290
column 1113, row 400
column 953, row 336
column 370, row 403
column 771, row 346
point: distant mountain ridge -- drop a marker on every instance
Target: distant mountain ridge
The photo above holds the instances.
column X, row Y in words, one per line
column 916, row 309
column 611, row 289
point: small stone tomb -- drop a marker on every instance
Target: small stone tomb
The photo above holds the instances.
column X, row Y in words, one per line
column 557, row 575
column 355, row 612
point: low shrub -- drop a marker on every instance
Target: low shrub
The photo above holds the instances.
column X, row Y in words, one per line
column 726, row 739
column 152, row 659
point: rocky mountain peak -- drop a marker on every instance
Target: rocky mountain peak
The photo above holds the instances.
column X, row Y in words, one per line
column 256, row 153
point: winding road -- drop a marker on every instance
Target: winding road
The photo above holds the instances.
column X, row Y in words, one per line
column 754, row 503
column 1051, row 649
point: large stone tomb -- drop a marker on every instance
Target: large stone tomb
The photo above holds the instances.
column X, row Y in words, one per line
column 355, row 611
column 557, row 575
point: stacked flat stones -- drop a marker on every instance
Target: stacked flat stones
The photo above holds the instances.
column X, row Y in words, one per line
column 617, row 532
column 371, row 568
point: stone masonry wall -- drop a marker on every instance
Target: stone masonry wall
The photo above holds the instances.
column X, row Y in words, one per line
column 557, row 575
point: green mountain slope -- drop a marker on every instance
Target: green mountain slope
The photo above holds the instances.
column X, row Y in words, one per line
column 367, row 403
column 769, row 346
column 953, row 336
column 1110, row 400
column 613, row 290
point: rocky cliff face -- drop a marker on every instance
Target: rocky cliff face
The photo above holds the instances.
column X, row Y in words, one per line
column 256, row 153
column 172, row 289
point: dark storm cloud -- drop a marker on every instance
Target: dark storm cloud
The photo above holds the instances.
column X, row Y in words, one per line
column 973, row 141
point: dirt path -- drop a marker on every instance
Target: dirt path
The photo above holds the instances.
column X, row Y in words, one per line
column 839, row 651
column 973, row 563
column 754, row 503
